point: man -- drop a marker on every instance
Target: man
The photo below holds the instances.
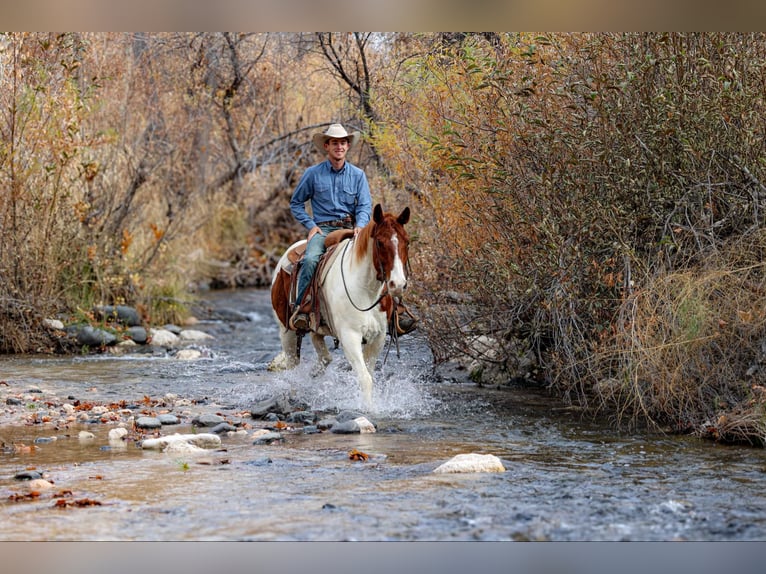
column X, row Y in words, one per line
column 340, row 198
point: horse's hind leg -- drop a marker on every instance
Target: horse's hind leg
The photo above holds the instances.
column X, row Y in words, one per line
column 323, row 354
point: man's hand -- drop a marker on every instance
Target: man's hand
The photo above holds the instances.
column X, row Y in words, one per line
column 314, row 231
column 356, row 231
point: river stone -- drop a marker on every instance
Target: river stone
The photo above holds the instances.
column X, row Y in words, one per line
column 182, row 447
column 168, row 419
column 28, row 475
column 13, row 401
column 302, row 417
column 472, row 462
column 93, row 337
column 357, row 425
column 138, row 335
column 39, row 484
column 222, row 428
column 188, row 354
column 207, row 420
column 344, row 416
column 194, row 335
column 264, row 436
column 163, row 338
column 148, row 423
column 276, row 405
column 327, row 423
column 85, row 435
column 202, row 440
column 117, row 434
column 123, row 314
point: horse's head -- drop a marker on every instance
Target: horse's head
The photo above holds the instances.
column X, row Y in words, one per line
column 390, row 250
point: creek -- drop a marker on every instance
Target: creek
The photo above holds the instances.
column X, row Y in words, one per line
column 566, row 478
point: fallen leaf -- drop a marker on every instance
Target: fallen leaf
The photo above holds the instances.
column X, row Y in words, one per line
column 358, row 455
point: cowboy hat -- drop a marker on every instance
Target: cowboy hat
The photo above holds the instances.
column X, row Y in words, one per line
column 334, row 131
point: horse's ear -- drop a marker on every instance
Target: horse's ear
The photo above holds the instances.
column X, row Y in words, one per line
column 404, row 216
column 377, row 213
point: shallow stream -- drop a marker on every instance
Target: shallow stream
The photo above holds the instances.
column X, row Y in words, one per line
column 566, row 479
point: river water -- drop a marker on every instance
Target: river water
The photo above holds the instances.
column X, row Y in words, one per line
column 566, row 479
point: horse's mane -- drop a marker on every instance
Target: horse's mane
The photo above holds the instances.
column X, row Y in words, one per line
column 362, row 241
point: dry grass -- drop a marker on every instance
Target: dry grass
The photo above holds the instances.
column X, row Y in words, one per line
column 689, row 351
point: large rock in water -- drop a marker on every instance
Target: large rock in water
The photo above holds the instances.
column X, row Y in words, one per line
column 466, row 463
column 201, row 440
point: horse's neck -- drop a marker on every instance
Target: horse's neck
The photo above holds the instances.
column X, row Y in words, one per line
column 360, row 272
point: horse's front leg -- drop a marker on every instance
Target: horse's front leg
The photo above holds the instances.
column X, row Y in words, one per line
column 352, row 347
column 372, row 351
column 288, row 357
column 323, row 354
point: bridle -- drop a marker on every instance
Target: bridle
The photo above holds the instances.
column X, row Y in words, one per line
column 381, row 273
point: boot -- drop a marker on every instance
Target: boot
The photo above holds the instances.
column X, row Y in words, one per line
column 403, row 320
column 299, row 321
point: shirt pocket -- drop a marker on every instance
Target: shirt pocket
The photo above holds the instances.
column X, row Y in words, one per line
column 348, row 197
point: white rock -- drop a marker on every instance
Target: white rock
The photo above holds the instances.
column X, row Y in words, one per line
column 163, row 338
column 67, row 408
column 85, row 435
column 53, row 324
column 194, row 335
column 39, row 484
column 188, row 354
column 365, row 426
column 471, row 463
column 116, row 434
column 201, row 440
column 180, row 447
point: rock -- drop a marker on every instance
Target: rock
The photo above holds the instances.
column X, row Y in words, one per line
column 88, row 336
column 39, row 484
column 357, row 425
column 201, row 440
column 175, row 329
column 207, row 420
column 327, row 423
column 277, row 405
column 117, row 434
column 344, row 416
column 163, row 338
column 182, row 447
column 28, row 475
column 223, row 428
column 302, row 417
column 138, row 335
column 148, row 423
column 467, row 463
column 85, row 435
column 168, row 419
column 194, row 335
column 53, row 324
column 45, row 439
column 123, row 314
column 264, row 436
column 13, row 401
column 188, row 354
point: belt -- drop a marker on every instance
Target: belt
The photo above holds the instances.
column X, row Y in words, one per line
column 347, row 222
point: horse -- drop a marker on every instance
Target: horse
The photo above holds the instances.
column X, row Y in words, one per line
column 354, row 281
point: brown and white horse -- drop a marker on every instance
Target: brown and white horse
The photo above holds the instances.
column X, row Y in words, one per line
column 352, row 289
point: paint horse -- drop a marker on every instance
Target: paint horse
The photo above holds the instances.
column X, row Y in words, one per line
column 353, row 282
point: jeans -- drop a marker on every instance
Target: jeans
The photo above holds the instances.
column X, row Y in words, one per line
column 314, row 251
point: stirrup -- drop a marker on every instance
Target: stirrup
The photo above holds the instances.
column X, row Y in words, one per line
column 402, row 320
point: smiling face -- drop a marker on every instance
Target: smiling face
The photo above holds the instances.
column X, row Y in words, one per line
column 336, row 149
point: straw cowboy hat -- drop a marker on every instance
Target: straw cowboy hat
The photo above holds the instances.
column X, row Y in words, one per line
column 334, row 131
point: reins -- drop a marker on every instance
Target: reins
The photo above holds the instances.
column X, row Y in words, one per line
column 343, row 277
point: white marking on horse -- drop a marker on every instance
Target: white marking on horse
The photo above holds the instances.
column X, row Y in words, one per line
column 397, row 280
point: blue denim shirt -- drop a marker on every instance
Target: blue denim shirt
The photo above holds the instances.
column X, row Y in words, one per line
column 333, row 195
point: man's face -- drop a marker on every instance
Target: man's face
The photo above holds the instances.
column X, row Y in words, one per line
column 336, row 148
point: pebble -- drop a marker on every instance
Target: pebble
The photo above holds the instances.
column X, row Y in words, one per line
column 148, row 423
column 202, row 440
column 207, row 420
column 264, row 436
column 85, row 435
